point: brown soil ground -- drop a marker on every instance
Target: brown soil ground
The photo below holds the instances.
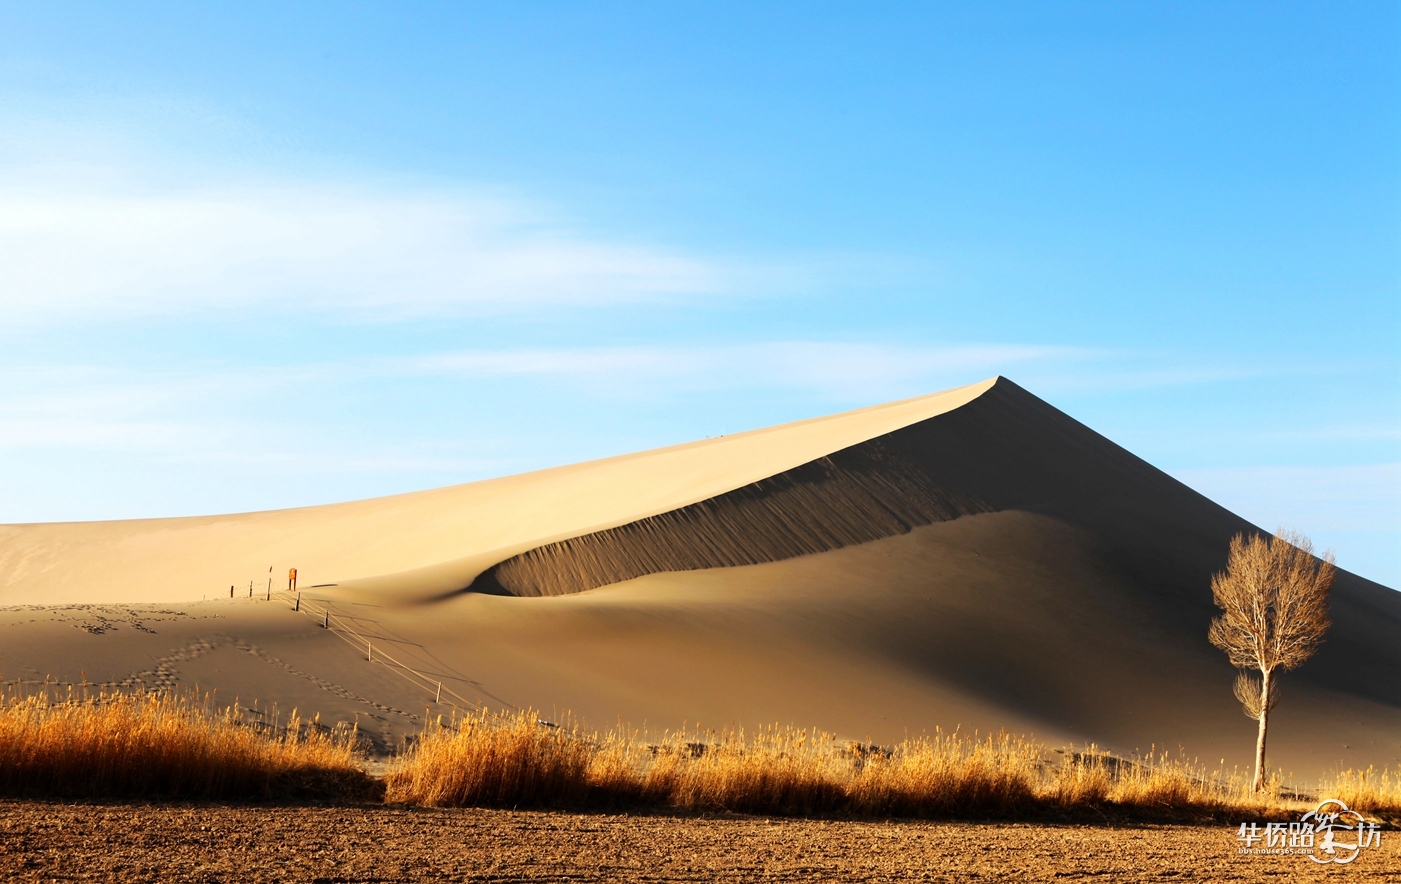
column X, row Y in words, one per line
column 45, row 841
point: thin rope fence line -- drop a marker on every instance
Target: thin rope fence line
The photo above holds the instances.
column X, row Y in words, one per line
column 336, row 625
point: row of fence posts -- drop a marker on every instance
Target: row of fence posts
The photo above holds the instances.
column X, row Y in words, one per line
column 369, row 645
column 326, row 624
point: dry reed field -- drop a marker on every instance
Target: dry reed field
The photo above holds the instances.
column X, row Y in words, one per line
column 160, row 745
column 169, row 747
column 1370, row 791
column 516, row 760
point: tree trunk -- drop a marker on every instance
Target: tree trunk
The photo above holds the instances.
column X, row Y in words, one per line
column 1264, row 723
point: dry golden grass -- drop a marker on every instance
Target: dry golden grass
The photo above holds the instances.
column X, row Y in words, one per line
column 492, row 761
column 515, row 760
column 1155, row 783
column 945, row 774
column 1370, row 791
column 774, row 770
column 158, row 745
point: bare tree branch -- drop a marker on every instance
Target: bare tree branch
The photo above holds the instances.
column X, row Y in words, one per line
column 1248, row 691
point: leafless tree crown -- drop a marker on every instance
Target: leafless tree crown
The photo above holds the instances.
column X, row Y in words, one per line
column 1274, row 601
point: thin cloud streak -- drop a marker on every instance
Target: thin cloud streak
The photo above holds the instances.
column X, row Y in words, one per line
column 303, row 247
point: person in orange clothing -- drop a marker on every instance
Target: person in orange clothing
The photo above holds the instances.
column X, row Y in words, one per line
column 292, row 579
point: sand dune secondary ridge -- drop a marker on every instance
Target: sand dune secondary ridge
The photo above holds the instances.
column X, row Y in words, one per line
column 854, row 496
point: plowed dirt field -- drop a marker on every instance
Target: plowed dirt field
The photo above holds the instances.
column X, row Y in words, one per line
column 47, row 841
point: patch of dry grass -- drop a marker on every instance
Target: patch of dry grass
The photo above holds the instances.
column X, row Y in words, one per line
column 1369, row 791
column 1155, row 783
column 515, row 760
column 493, row 761
column 946, row 774
column 159, row 745
column 773, row 770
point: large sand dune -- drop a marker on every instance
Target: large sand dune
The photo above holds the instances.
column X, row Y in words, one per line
column 974, row 558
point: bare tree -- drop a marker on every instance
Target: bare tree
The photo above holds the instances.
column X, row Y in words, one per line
column 1274, row 599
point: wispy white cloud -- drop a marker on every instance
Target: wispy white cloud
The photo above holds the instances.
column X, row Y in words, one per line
column 111, row 207
column 300, row 246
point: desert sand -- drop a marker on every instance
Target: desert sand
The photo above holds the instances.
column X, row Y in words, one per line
column 974, row 559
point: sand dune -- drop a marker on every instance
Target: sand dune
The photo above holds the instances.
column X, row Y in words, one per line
column 974, row 558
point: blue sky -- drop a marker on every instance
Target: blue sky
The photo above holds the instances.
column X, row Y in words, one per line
column 256, row 256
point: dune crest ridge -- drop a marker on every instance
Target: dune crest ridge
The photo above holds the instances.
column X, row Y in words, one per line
column 854, row 496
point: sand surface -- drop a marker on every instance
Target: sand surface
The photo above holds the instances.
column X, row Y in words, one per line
column 113, row 842
column 974, row 559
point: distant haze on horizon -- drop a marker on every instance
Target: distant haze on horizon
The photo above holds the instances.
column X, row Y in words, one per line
column 259, row 257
